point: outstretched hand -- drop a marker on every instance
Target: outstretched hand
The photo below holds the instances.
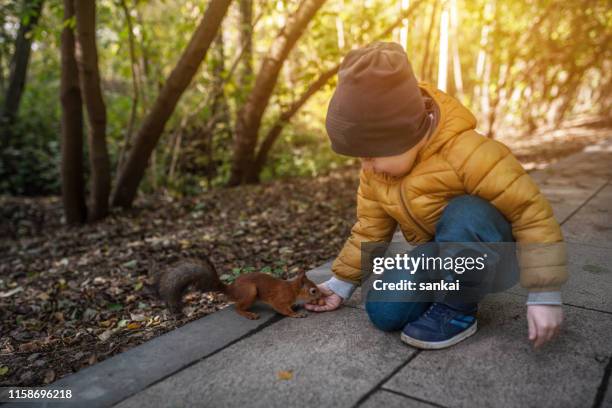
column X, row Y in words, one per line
column 332, row 301
column 544, row 323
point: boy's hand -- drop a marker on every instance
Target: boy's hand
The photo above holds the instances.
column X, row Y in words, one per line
column 332, row 301
column 544, row 323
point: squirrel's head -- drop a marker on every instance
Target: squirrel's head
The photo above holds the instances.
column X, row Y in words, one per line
column 308, row 290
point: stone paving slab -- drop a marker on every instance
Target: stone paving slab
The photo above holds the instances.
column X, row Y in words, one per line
column 590, row 282
column 355, row 300
column 336, row 358
column 390, row 399
column 568, row 183
column 498, row 367
column 607, row 398
column 566, row 195
column 321, row 273
column 592, row 224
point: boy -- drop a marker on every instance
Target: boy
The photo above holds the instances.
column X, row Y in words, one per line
column 425, row 169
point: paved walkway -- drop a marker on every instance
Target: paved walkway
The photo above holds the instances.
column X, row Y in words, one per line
column 339, row 359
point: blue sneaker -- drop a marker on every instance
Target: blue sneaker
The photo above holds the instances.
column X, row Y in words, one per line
column 439, row 327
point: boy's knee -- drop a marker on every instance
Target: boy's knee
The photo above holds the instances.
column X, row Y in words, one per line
column 470, row 208
column 393, row 316
column 380, row 316
column 469, row 215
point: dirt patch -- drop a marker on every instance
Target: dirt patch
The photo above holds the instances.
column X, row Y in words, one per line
column 75, row 296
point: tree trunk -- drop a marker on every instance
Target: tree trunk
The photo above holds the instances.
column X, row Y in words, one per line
column 443, row 54
column 19, row 63
column 403, row 31
column 135, row 82
column 249, row 117
column 87, row 57
column 432, row 23
column 245, row 72
column 481, row 62
column 340, row 36
column 73, row 182
column 130, row 175
column 144, row 64
column 457, row 77
column 219, row 111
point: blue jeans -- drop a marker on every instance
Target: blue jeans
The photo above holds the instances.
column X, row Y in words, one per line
column 466, row 219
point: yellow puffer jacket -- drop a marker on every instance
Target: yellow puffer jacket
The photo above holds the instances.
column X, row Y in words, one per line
column 456, row 161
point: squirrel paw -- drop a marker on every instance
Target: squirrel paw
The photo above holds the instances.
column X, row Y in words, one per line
column 299, row 314
column 249, row 315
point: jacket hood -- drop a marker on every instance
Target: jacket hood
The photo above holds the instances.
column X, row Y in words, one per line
column 454, row 119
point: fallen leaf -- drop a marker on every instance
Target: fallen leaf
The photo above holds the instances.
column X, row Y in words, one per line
column 114, row 307
column 43, row 296
column 98, row 280
column 105, row 335
column 3, row 370
column 131, row 264
column 11, row 292
column 284, row 375
column 28, row 347
column 49, row 376
column 106, row 323
column 137, row 317
column 89, row 314
column 133, row 326
column 26, row 377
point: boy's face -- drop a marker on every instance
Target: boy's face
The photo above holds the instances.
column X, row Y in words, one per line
column 395, row 166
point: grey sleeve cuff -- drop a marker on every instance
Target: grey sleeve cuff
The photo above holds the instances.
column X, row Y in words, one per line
column 544, row 298
column 341, row 288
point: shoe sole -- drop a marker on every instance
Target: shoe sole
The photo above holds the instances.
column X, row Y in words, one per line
column 435, row 345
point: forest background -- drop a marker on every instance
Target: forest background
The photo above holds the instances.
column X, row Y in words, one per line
column 187, row 96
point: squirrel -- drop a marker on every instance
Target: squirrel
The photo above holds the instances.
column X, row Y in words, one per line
column 280, row 294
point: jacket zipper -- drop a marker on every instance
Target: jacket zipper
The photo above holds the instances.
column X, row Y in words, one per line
column 411, row 216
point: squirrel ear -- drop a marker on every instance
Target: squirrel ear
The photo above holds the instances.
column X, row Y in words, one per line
column 301, row 275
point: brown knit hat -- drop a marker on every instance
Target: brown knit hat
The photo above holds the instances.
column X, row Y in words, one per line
column 377, row 109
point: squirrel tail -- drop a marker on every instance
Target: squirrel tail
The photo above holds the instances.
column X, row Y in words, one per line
column 172, row 283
